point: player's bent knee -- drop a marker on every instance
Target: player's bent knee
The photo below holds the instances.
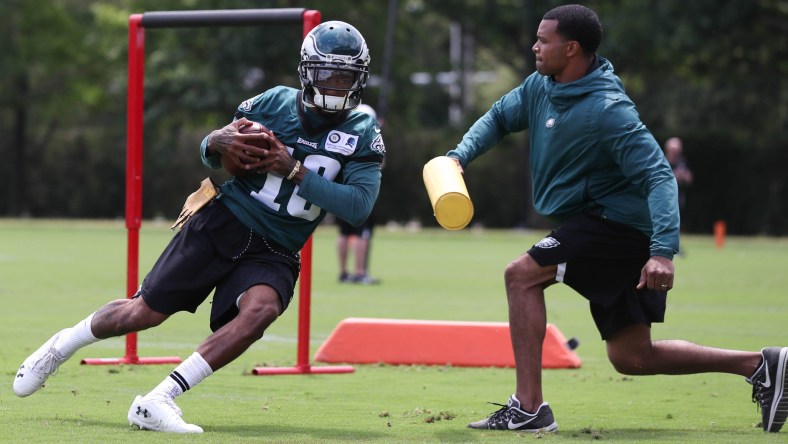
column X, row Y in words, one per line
column 517, row 269
column 622, row 364
column 525, row 271
column 125, row 316
column 631, row 366
column 631, row 351
column 260, row 307
column 628, row 362
column 143, row 316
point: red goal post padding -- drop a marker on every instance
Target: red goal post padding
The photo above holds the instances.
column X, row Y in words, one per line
column 134, row 150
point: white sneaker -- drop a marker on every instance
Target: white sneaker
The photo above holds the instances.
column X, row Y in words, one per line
column 34, row 372
column 159, row 413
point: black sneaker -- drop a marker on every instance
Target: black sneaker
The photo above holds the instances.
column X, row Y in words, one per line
column 510, row 417
column 344, row 277
column 770, row 387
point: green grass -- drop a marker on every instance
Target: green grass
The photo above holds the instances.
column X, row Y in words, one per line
column 54, row 273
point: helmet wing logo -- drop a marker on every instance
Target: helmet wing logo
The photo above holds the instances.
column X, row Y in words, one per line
column 378, row 146
column 246, row 105
column 548, row 242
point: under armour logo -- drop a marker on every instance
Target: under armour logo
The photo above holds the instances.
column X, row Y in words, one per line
column 20, row 375
column 143, row 412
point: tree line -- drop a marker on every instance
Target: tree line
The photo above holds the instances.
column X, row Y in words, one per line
column 712, row 72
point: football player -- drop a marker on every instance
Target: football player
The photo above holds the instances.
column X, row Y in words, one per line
column 316, row 156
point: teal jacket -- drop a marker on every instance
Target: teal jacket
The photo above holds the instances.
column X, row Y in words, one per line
column 589, row 152
column 343, row 161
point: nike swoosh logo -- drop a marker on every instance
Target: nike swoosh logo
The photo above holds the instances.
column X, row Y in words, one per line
column 515, row 425
column 768, row 382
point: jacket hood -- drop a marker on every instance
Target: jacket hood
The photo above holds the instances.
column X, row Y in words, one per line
column 601, row 80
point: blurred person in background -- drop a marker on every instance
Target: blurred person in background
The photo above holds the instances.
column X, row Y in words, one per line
column 674, row 152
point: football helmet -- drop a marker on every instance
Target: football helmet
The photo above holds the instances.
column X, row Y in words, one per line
column 334, row 67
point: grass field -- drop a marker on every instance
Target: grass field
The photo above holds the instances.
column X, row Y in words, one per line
column 52, row 274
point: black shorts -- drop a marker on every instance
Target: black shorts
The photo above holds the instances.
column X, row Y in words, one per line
column 215, row 251
column 602, row 261
column 363, row 231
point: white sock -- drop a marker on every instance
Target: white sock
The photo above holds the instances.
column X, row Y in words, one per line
column 185, row 376
column 76, row 337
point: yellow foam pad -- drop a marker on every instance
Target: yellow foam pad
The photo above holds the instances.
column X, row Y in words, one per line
column 448, row 194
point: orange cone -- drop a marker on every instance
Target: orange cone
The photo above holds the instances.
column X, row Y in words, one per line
column 719, row 233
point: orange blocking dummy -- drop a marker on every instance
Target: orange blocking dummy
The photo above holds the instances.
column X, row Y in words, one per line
column 462, row 344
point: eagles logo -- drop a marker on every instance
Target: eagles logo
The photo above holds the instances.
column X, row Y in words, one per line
column 548, row 242
column 246, row 105
column 378, row 146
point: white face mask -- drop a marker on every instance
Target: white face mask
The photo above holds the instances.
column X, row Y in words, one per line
column 331, row 103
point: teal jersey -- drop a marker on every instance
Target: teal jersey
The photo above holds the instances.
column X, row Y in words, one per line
column 343, row 159
column 589, row 152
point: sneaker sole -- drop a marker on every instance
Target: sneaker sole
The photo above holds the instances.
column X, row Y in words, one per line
column 779, row 410
column 548, row 429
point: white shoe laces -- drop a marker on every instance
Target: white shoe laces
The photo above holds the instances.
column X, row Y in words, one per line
column 171, row 403
column 48, row 363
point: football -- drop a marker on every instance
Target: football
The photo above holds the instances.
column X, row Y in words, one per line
column 233, row 169
column 253, row 128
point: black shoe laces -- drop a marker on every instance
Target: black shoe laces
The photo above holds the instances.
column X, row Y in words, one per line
column 761, row 395
column 501, row 415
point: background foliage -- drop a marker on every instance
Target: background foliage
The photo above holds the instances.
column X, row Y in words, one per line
column 710, row 71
